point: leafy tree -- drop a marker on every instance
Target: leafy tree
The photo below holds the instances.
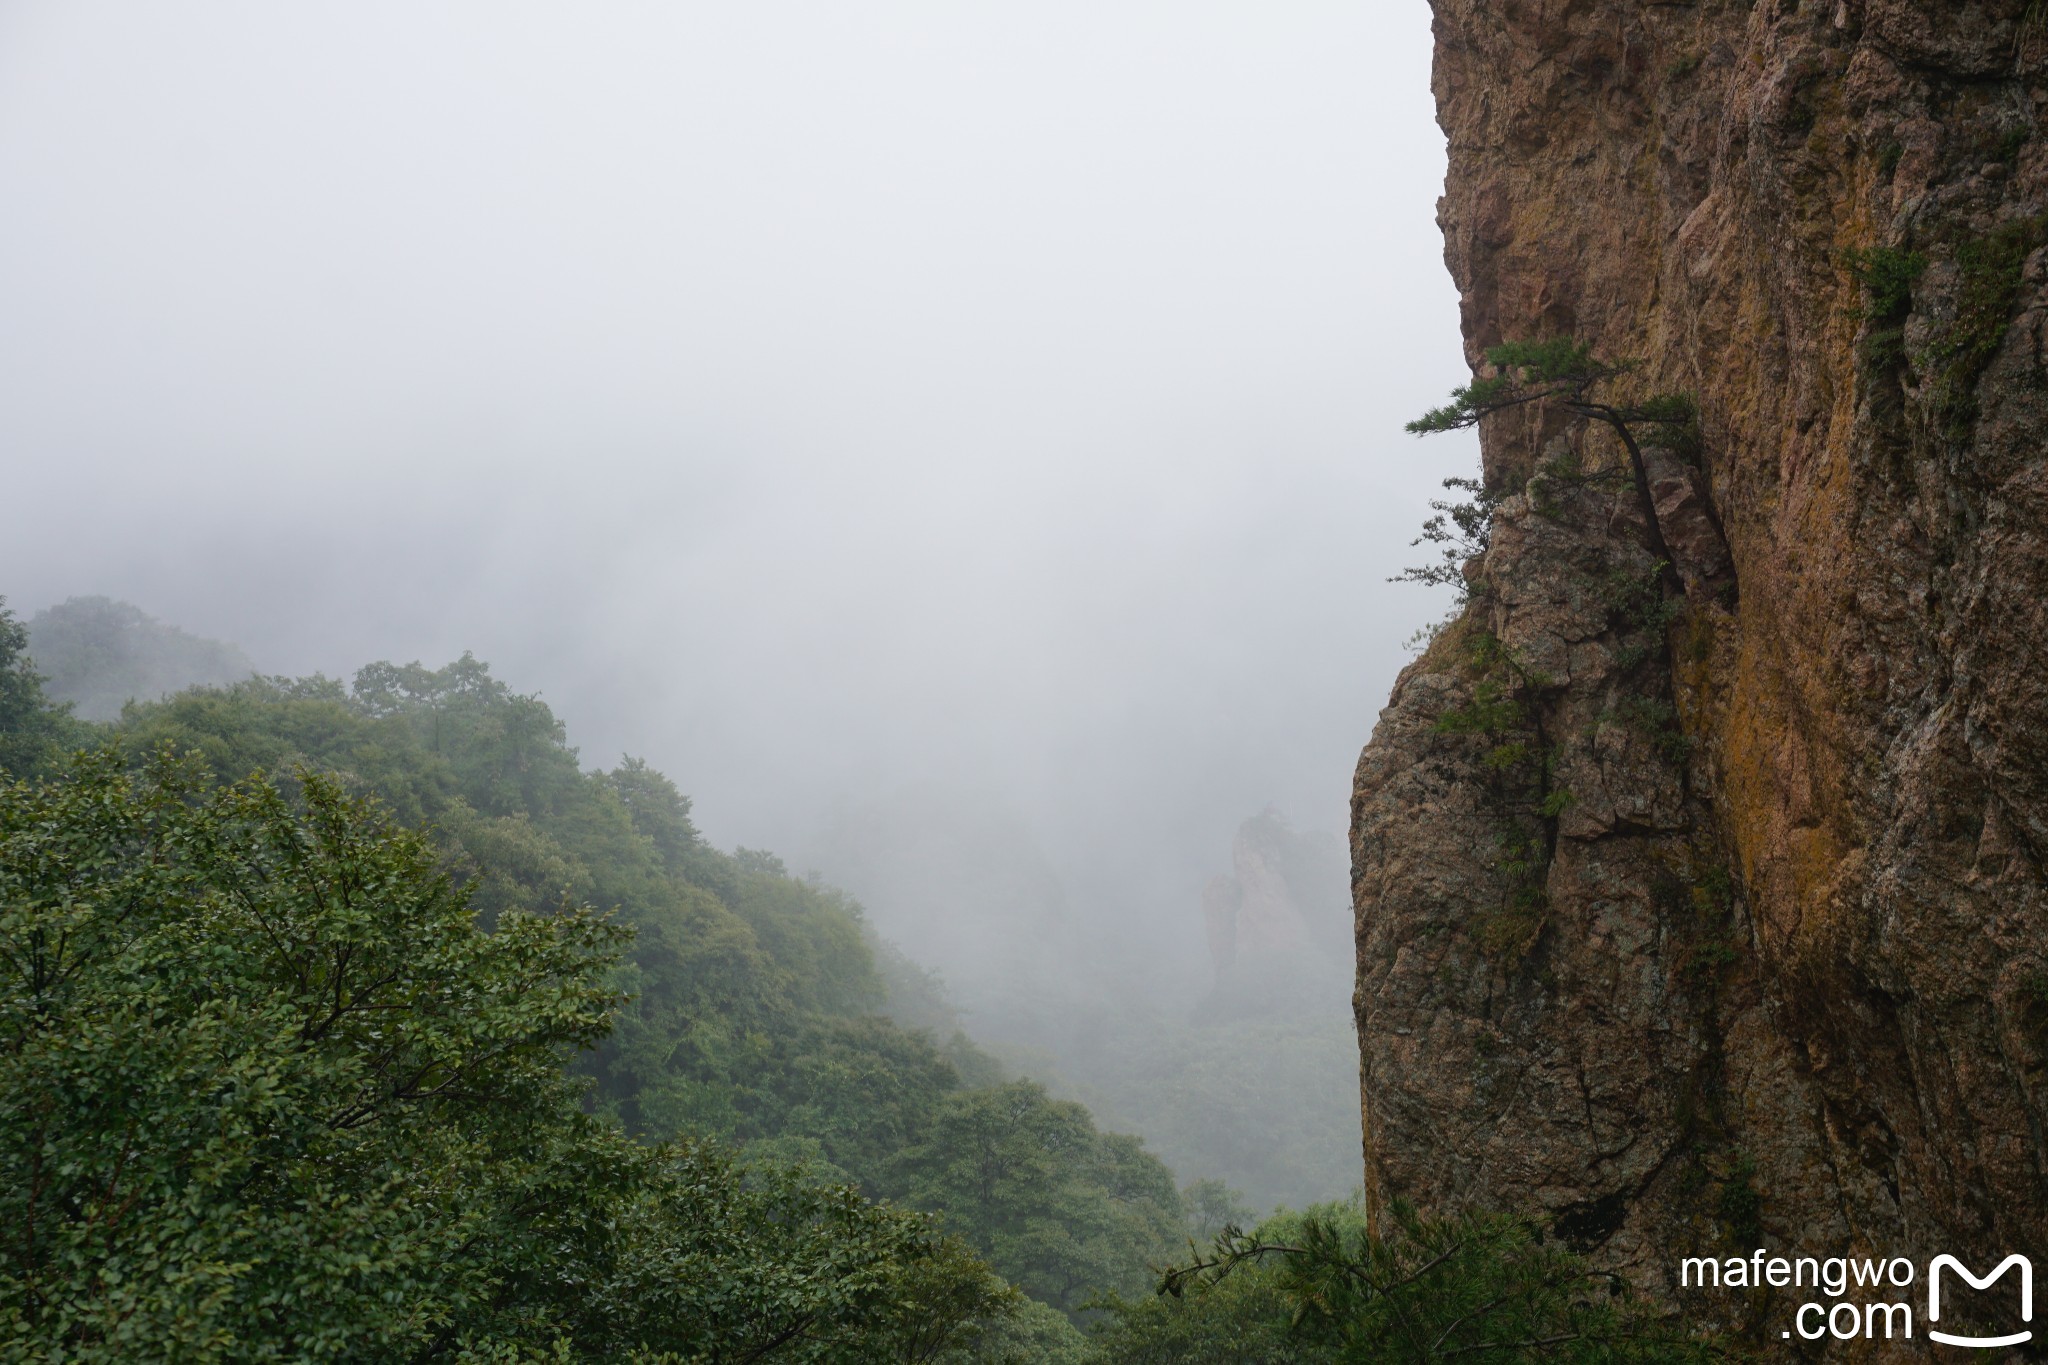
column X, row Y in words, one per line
column 711, row 1261
column 269, row 1090
column 753, row 994
column 734, row 969
column 276, row 724
column 507, row 752
column 1033, row 1335
column 658, row 810
column 750, row 997
column 1065, row 1212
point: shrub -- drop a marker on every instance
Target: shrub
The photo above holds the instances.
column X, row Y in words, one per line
column 1988, row 286
column 1887, row 275
column 1474, row 1288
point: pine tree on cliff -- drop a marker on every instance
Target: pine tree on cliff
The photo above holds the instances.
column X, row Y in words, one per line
column 1566, row 372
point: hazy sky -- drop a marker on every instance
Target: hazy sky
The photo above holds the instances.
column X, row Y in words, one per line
column 812, row 397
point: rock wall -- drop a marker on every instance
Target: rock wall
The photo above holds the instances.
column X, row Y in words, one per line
column 1254, row 914
column 1698, row 867
column 1275, row 922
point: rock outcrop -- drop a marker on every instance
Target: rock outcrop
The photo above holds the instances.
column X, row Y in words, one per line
column 1698, row 867
column 1250, row 912
column 1274, row 920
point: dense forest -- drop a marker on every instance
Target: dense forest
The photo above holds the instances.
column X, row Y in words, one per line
column 362, row 1022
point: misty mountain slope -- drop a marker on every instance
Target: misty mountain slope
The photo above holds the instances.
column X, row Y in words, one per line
column 1266, row 1105
column 1246, row 1073
column 1256, row 1084
column 752, row 995
column 957, row 876
column 97, row 654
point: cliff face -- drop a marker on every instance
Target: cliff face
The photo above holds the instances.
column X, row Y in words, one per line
column 1702, row 906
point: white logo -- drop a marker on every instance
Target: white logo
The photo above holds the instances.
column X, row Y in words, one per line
column 2026, row 1298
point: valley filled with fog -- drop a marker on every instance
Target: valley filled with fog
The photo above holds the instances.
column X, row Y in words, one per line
column 960, row 448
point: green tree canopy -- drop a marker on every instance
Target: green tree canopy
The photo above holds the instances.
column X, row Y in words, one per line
column 1063, row 1210
column 750, row 997
column 269, row 1090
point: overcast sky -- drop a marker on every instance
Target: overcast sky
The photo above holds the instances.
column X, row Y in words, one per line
column 812, row 397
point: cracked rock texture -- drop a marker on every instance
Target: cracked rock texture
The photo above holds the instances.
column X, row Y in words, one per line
column 1698, row 868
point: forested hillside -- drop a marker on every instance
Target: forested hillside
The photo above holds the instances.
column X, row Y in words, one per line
column 360, row 1022
column 750, row 998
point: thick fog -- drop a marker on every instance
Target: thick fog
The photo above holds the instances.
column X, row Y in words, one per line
column 989, row 411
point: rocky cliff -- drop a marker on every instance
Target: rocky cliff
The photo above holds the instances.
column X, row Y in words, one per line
column 1278, row 907
column 1698, row 866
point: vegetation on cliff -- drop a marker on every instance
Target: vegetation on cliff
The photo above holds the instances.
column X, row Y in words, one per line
column 1318, row 1287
